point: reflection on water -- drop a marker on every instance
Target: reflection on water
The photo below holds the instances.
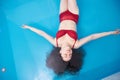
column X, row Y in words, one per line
column 44, row 75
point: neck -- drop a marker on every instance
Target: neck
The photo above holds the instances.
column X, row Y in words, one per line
column 66, row 44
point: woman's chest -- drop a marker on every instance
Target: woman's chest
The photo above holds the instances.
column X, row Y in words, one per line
column 65, row 39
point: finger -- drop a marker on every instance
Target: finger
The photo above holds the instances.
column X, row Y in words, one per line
column 23, row 25
column 118, row 32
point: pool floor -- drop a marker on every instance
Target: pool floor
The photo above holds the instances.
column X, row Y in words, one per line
column 23, row 53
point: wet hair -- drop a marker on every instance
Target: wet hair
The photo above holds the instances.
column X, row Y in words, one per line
column 55, row 61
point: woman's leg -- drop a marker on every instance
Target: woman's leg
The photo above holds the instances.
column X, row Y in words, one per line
column 63, row 5
column 73, row 7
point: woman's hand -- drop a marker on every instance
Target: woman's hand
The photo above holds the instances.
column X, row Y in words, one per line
column 117, row 31
column 25, row 26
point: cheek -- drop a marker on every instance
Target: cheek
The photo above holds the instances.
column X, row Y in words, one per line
column 71, row 51
column 62, row 50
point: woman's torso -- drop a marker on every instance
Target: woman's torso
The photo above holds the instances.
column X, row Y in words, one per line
column 66, row 25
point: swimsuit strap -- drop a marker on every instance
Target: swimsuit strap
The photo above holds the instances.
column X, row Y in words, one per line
column 74, row 44
column 57, row 42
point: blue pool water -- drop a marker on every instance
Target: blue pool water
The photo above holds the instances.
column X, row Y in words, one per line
column 23, row 53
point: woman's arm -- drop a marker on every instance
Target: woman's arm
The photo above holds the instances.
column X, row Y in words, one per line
column 41, row 33
column 82, row 41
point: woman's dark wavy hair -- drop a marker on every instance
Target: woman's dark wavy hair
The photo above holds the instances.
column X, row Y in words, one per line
column 55, row 62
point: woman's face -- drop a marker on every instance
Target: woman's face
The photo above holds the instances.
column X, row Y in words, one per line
column 66, row 53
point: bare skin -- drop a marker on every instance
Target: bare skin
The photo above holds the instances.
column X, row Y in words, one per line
column 66, row 42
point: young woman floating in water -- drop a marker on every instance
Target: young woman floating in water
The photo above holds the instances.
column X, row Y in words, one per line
column 66, row 55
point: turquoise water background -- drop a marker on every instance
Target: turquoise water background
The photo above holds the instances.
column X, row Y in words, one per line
column 23, row 53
